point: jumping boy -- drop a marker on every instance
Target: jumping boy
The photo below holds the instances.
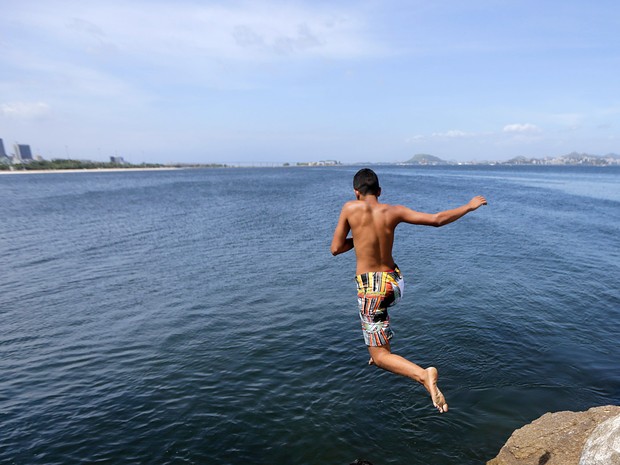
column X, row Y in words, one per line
column 379, row 282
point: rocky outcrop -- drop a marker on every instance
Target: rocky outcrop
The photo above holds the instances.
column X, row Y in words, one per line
column 566, row 438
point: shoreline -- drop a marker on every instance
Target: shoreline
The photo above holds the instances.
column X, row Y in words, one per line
column 87, row 170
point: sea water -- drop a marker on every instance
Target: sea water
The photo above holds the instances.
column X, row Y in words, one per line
column 197, row 316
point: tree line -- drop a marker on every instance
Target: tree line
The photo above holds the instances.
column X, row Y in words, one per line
column 67, row 164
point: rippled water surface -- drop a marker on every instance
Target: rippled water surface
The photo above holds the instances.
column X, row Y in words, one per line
column 198, row 317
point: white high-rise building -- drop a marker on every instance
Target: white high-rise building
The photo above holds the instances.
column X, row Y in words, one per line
column 22, row 152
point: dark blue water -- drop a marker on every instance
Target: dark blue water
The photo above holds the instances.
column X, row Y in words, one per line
column 198, row 316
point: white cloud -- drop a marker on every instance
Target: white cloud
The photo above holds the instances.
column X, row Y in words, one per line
column 152, row 47
column 525, row 128
column 450, row 134
column 453, row 133
column 25, row 110
column 191, row 32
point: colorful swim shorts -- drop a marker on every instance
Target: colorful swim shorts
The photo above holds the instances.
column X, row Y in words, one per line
column 376, row 291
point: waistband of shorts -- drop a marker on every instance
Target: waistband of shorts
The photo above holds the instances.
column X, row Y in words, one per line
column 395, row 270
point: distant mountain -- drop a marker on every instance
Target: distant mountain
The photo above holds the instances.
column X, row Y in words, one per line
column 518, row 160
column 573, row 158
column 578, row 156
column 583, row 156
column 425, row 159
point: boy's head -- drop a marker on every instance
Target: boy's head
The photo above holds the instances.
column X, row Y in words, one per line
column 366, row 182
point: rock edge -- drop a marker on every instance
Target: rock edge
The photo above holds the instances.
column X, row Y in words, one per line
column 559, row 438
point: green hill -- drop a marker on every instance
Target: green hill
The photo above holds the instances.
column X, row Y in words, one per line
column 425, row 159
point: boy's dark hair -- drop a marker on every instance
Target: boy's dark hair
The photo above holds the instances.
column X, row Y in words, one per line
column 366, row 182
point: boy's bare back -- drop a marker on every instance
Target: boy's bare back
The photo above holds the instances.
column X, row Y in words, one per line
column 372, row 225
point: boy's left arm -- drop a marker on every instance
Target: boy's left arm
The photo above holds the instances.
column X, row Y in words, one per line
column 341, row 243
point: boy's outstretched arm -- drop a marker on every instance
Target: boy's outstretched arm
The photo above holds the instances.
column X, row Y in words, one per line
column 341, row 243
column 407, row 215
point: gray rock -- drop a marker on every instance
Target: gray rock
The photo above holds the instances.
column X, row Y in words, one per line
column 603, row 445
column 559, row 439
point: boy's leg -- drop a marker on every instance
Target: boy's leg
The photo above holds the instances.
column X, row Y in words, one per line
column 383, row 357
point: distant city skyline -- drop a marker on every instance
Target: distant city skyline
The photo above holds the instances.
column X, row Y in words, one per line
column 21, row 152
column 268, row 81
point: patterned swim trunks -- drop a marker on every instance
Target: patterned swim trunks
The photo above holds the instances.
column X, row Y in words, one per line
column 376, row 291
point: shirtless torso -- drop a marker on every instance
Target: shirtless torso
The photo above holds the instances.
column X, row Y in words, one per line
column 372, row 226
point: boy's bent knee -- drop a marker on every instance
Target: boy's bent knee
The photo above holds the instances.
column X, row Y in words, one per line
column 379, row 363
column 378, row 355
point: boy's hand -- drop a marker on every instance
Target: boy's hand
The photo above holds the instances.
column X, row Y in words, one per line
column 477, row 202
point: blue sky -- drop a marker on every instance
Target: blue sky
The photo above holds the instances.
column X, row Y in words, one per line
column 274, row 81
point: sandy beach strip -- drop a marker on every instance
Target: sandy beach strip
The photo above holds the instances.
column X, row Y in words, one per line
column 94, row 170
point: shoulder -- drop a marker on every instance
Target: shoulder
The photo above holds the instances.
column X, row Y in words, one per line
column 351, row 205
column 348, row 210
column 398, row 208
column 394, row 209
column 400, row 213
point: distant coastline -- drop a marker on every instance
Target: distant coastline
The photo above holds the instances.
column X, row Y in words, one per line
column 88, row 170
column 571, row 159
column 85, row 166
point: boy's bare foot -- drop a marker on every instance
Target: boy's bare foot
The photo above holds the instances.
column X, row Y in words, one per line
column 431, row 386
column 371, row 361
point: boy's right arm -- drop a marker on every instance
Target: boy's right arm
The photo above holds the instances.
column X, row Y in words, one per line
column 410, row 216
column 340, row 242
